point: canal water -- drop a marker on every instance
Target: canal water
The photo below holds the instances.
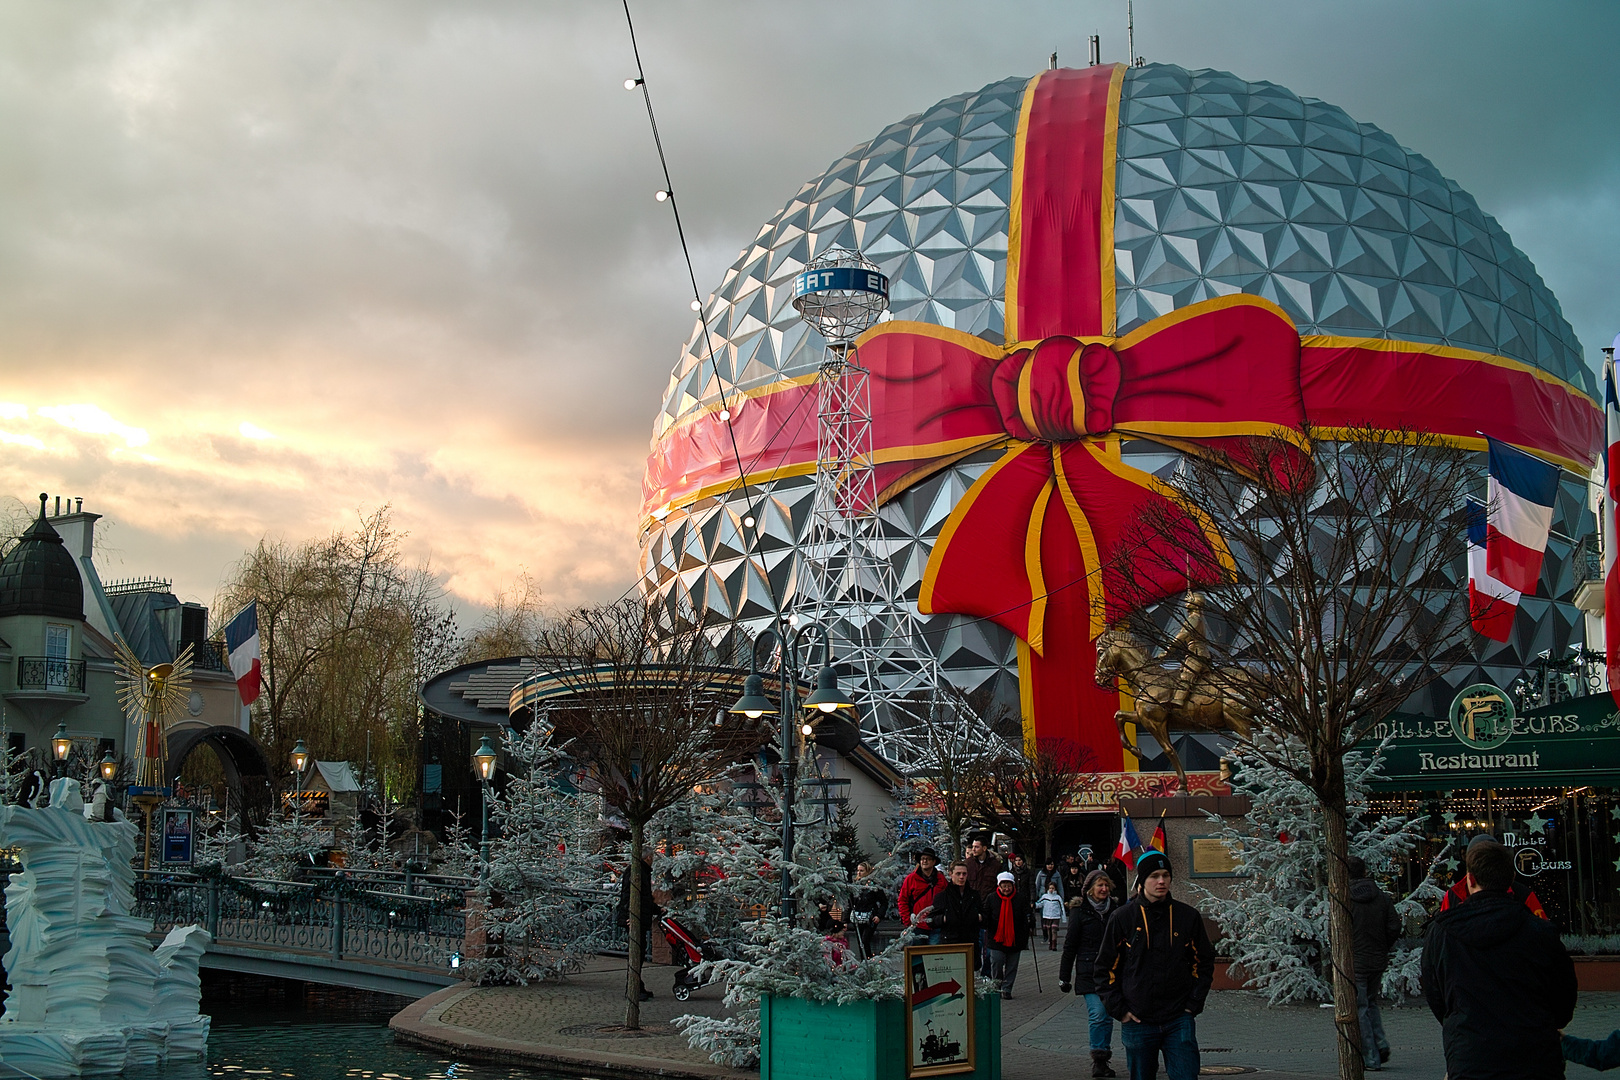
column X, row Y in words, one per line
column 292, row 1031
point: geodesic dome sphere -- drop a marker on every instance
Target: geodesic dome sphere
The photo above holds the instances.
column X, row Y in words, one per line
column 1128, row 196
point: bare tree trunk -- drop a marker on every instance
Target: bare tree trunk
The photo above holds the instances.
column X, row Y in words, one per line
column 1345, row 1016
column 632, row 974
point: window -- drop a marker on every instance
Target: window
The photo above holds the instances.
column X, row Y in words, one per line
column 58, row 648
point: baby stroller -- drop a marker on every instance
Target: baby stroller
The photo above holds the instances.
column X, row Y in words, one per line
column 687, row 950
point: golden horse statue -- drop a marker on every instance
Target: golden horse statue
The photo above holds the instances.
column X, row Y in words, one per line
column 1193, row 698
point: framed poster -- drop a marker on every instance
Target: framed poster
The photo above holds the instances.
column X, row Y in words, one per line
column 176, row 835
column 939, row 1010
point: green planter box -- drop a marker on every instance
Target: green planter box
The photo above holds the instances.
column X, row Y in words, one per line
column 864, row 1040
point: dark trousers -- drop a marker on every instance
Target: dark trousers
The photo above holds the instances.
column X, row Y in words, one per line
column 1177, row 1040
column 1373, row 1041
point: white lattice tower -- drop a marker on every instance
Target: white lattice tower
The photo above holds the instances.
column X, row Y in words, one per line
column 876, row 633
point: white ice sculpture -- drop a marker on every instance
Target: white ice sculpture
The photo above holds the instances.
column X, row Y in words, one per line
column 88, row 994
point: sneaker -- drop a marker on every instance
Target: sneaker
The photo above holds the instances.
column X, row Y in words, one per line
column 1383, row 1055
column 646, row 995
column 1006, row 995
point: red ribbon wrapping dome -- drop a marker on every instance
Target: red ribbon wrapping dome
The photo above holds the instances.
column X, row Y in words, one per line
column 1030, row 544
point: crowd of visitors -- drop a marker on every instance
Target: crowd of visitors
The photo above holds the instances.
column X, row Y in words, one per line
column 1495, row 972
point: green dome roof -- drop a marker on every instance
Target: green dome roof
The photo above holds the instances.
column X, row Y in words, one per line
column 39, row 576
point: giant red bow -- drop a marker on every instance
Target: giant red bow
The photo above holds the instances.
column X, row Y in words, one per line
column 1034, row 545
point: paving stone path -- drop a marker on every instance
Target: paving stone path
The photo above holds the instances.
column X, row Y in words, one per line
column 560, row 1027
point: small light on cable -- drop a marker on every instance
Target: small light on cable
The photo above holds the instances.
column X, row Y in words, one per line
column 806, row 729
column 748, row 522
column 725, row 414
column 661, row 195
column 631, row 84
column 697, row 305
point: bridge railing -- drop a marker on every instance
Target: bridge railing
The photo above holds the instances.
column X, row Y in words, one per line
column 338, row 916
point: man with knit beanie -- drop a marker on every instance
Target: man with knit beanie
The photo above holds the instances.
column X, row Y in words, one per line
column 1155, row 967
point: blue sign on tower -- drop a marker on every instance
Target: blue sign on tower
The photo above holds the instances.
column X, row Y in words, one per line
column 850, row 278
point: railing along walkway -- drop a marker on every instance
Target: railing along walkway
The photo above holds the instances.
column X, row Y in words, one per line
column 370, row 925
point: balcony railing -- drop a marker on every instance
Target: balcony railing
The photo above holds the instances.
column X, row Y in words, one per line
column 50, row 673
column 1588, row 561
column 209, row 656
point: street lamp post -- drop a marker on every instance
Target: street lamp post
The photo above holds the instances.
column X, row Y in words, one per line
column 300, row 759
column 61, row 747
column 484, row 766
column 753, row 704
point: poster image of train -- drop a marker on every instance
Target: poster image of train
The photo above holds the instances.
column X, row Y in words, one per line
column 939, row 1010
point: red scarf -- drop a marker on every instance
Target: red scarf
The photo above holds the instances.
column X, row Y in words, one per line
column 1006, row 932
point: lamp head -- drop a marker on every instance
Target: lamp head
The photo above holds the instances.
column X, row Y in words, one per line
column 753, row 703
column 300, row 756
column 61, row 744
column 109, row 767
column 828, row 697
column 484, row 759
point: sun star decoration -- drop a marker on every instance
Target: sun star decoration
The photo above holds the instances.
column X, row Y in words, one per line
column 151, row 697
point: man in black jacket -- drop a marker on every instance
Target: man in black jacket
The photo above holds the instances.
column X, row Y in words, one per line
column 1156, row 965
column 956, row 913
column 1498, row 979
column 1374, row 930
column 1088, row 917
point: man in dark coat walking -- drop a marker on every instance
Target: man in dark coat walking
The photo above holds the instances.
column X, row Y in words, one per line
column 958, row 912
column 1156, row 965
column 1498, row 979
column 1088, row 917
column 1374, row 930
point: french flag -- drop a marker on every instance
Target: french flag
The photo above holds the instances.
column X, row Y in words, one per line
column 1491, row 604
column 242, row 642
column 1521, row 495
column 1611, row 531
column 1125, row 852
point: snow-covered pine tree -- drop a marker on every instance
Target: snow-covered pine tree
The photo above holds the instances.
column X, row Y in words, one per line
column 773, row 955
column 544, row 910
column 218, row 837
column 457, row 854
column 368, row 847
column 283, row 849
column 1276, row 921
column 722, row 864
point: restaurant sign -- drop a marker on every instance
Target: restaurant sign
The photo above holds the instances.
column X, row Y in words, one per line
column 1485, row 742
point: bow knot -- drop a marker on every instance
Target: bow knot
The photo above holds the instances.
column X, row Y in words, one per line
column 1060, row 389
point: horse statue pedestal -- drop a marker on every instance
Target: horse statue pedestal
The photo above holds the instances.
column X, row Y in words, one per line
column 89, row 996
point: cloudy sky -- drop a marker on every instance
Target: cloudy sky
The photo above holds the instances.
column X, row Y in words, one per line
column 263, row 266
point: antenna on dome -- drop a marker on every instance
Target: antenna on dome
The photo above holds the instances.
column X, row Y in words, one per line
column 1054, row 61
column 1096, row 49
column 1130, row 35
